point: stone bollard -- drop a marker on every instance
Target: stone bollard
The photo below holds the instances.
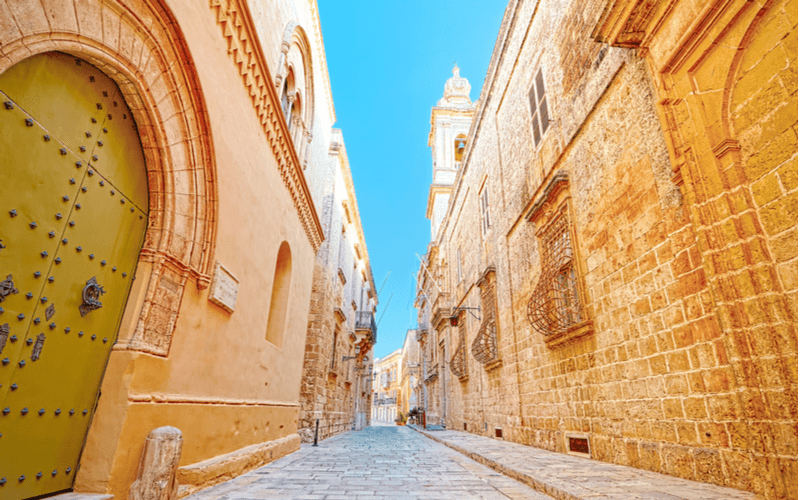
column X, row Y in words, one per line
column 157, row 471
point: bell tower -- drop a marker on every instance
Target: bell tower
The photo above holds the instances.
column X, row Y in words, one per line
column 450, row 122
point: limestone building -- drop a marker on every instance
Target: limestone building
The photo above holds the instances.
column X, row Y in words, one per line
column 386, row 387
column 166, row 164
column 410, row 370
column 615, row 272
column 341, row 329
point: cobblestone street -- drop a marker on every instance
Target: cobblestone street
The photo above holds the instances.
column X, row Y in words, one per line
column 380, row 462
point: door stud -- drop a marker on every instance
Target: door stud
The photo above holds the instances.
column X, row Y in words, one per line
column 83, row 149
column 5, row 362
column 72, row 181
column 14, row 387
column 24, row 412
column 28, row 122
column 37, row 274
column 13, row 213
column 62, row 151
column 33, row 225
column 41, row 412
column 44, row 254
column 39, row 475
column 59, row 216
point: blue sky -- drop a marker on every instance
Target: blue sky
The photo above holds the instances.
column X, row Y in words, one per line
column 388, row 63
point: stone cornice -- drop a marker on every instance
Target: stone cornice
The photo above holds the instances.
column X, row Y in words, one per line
column 323, row 60
column 433, row 190
column 344, row 164
column 233, row 16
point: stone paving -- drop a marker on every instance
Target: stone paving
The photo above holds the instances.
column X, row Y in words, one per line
column 567, row 477
column 379, row 462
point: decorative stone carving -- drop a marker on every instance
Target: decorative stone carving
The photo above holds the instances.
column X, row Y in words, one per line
column 157, row 477
column 224, row 288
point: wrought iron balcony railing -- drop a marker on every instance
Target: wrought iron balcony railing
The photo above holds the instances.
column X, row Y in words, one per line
column 365, row 320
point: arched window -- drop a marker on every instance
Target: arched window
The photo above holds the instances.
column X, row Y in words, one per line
column 287, row 96
column 280, row 296
column 461, row 146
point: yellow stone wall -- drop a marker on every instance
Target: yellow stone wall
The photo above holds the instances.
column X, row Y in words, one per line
column 675, row 124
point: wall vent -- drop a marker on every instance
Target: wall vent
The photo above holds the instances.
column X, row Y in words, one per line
column 498, row 432
column 579, row 445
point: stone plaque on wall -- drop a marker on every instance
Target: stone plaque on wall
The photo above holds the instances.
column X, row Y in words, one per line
column 224, row 288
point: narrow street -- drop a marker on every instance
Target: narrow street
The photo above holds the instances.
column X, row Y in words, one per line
column 380, row 462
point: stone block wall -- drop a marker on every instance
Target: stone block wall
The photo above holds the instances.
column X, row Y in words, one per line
column 685, row 252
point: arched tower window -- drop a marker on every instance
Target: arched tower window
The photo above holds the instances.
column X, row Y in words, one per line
column 280, row 296
column 460, row 146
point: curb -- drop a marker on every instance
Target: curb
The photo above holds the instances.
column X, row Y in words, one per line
column 541, row 487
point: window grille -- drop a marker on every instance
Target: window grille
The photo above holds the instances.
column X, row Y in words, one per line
column 555, row 304
column 458, row 363
column 538, row 101
column 484, row 347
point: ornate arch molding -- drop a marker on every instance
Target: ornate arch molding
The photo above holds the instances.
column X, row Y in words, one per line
column 295, row 35
column 140, row 46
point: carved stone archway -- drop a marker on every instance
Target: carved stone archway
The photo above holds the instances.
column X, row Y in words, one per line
column 140, row 46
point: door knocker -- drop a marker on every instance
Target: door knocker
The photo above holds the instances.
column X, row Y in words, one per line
column 91, row 293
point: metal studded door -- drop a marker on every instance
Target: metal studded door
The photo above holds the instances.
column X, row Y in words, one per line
column 73, row 211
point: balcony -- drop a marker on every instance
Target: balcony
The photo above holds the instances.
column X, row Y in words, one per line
column 365, row 322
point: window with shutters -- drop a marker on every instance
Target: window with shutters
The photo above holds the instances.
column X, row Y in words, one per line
column 540, row 119
column 484, row 203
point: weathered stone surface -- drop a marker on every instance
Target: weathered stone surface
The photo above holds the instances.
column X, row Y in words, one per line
column 224, row 288
column 157, row 478
column 207, row 473
column 681, row 195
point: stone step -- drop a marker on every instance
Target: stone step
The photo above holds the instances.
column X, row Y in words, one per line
column 81, row 496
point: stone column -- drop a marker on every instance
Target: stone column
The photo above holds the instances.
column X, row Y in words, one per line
column 157, row 479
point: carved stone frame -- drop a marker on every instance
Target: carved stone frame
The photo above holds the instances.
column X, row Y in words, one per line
column 554, row 199
column 151, row 64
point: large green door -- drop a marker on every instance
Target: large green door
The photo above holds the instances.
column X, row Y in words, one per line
column 73, row 211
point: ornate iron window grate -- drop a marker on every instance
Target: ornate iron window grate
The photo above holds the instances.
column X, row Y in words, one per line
column 458, row 363
column 555, row 304
column 484, row 347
